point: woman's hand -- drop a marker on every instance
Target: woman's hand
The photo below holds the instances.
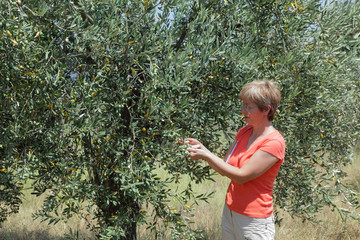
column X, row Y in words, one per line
column 197, row 149
column 192, row 141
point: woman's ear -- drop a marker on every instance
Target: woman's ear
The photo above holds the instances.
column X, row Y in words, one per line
column 267, row 110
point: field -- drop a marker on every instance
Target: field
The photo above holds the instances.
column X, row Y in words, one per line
column 207, row 218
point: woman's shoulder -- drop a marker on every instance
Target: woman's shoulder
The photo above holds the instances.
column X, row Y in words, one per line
column 274, row 137
column 274, row 144
column 277, row 135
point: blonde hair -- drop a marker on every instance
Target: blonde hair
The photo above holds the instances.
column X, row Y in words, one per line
column 263, row 93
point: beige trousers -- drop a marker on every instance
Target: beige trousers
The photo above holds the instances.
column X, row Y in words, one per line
column 236, row 226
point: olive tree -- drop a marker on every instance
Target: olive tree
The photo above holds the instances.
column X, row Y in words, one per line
column 95, row 95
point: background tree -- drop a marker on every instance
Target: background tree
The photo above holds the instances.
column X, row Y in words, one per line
column 95, row 95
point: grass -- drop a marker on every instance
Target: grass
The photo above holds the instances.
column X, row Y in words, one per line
column 207, row 217
column 331, row 226
column 23, row 227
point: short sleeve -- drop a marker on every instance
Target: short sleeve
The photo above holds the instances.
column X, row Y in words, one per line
column 275, row 147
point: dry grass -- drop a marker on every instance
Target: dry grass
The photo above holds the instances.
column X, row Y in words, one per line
column 331, row 227
column 23, row 227
column 207, row 218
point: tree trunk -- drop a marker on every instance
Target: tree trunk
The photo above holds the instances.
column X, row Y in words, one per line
column 130, row 231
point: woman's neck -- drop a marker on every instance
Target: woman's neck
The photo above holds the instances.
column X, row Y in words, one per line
column 262, row 129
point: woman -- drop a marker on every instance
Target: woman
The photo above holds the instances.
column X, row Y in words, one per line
column 252, row 163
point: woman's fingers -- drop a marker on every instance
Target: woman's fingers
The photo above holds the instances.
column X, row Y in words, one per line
column 193, row 153
column 192, row 141
column 196, row 152
column 191, row 149
column 194, row 147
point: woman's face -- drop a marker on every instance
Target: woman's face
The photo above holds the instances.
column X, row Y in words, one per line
column 252, row 114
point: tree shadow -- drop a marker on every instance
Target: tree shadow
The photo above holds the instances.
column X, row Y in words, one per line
column 25, row 234
column 39, row 234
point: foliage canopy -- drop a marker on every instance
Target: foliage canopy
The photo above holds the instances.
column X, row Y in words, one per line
column 94, row 95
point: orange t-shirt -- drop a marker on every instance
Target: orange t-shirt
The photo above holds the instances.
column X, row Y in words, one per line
column 254, row 198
